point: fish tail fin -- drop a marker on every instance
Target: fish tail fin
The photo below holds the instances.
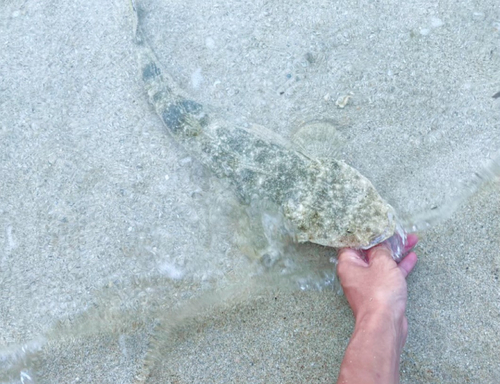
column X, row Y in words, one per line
column 180, row 115
column 138, row 36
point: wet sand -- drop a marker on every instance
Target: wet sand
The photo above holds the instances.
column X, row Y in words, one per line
column 99, row 209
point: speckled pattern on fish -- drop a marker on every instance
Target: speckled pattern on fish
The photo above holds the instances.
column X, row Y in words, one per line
column 326, row 201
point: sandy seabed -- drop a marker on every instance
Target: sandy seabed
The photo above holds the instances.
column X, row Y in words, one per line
column 108, row 228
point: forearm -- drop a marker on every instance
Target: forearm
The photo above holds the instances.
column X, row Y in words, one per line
column 372, row 356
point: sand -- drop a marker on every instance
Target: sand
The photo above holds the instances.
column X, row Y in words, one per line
column 110, row 227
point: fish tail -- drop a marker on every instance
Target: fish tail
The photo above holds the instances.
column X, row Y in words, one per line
column 182, row 117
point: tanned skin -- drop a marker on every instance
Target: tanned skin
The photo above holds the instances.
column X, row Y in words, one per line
column 375, row 287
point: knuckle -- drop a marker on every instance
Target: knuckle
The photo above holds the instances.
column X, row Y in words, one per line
column 380, row 254
column 342, row 267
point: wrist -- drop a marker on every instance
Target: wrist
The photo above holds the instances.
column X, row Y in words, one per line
column 374, row 349
column 388, row 322
column 382, row 313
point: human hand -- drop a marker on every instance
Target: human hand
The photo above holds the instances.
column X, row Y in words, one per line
column 375, row 287
column 374, row 283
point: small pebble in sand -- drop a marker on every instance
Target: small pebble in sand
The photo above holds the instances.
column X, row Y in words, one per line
column 343, row 100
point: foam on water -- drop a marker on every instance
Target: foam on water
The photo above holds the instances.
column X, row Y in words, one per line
column 16, row 362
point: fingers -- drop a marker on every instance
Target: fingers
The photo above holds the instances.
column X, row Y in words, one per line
column 384, row 249
column 347, row 258
column 380, row 251
column 346, row 254
column 411, row 241
column 408, row 263
column 351, row 256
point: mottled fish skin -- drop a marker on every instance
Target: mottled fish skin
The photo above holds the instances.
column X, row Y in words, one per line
column 327, row 201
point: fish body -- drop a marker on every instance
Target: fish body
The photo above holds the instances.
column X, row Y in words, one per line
column 326, row 201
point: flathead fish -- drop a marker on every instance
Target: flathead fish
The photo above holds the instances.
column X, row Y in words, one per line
column 325, row 200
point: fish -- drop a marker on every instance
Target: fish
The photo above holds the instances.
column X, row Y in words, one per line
column 325, row 201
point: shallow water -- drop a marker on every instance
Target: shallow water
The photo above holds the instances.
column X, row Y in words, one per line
column 110, row 229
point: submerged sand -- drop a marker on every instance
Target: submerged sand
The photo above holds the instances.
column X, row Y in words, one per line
column 106, row 223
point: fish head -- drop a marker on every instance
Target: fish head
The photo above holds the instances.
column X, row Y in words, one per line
column 343, row 209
